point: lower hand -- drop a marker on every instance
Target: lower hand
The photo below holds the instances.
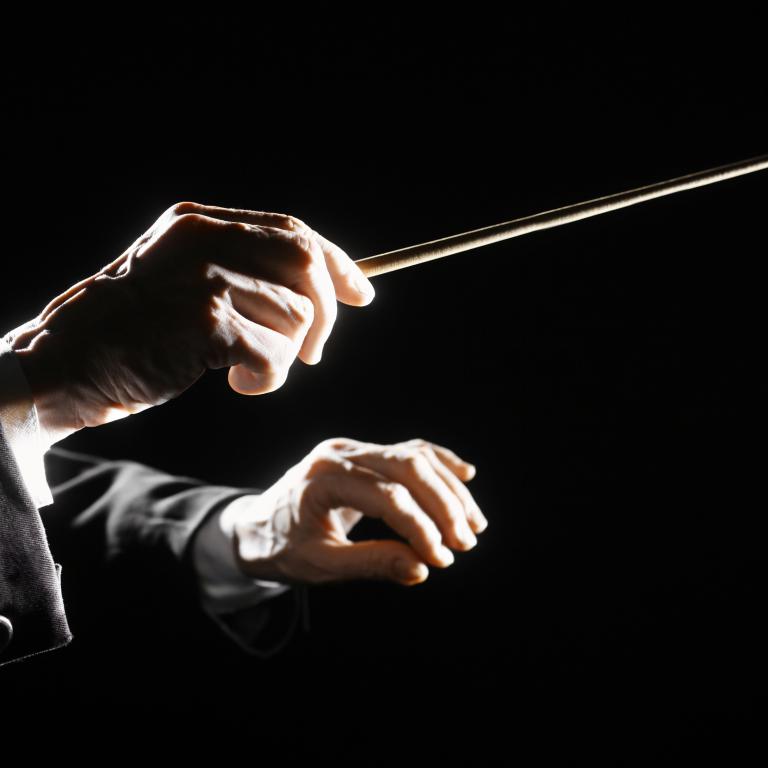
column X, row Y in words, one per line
column 296, row 531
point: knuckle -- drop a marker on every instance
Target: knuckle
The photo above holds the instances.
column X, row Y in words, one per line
column 302, row 252
column 268, row 365
column 392, row 454
column 422, row 447
column 429, row 454
column 214, row 305
column 301, row 310
column 416, row 464
column 213, row 324
column 398, row 496
column 332, row 444
column 187, row 221
column 215, row 282
column 294, row 223
column 411, row 460
column 212, row 312
column 335, row 446
column 346, row 443
column 185, row 206
column 321, row 464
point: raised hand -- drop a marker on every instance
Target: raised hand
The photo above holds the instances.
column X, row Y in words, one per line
column 204, row 287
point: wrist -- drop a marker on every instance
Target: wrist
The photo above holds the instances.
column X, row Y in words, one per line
column 247, row 523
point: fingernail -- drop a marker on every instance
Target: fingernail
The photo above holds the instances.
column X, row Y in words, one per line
column 467, row 537
column 445, row 555
column 406, row 570
column 482, row 520
column 363, row 285
column 472, row 470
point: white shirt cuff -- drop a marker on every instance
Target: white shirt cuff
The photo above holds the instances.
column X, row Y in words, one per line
column 224, row 587
column 22, row 427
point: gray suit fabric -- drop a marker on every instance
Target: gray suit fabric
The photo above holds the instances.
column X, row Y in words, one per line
column 112, row 508
column 31, row 602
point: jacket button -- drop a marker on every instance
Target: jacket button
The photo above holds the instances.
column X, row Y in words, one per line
column 6, row 632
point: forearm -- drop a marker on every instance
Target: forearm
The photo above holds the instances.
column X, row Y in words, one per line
column 110, row 509
column 128, row 505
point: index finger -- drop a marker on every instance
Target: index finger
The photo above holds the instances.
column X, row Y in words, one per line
column 350, row 284
column 317, row 286
column 462, row 469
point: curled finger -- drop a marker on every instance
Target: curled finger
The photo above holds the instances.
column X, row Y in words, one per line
column 378, row 497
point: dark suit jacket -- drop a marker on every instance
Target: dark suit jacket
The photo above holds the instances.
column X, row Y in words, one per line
column 103, row 511
column 32, row 615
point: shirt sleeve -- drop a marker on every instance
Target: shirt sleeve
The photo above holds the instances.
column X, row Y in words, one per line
column 223, row 585
column 234, row 601
column 241, row 605
column 22, row 427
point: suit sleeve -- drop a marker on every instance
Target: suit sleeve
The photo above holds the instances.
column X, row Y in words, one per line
column 105, row 509
column 234, row 601
column 32, row 615
column 19, row 420
column 131, row 508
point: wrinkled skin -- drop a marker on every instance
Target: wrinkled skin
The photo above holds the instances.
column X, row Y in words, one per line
column 210, row 287
column 296, row 531
column 204, row 287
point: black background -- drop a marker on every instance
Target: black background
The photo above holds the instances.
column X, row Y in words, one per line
column 603, row 377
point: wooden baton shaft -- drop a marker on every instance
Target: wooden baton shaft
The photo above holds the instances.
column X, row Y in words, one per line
column 447, row 246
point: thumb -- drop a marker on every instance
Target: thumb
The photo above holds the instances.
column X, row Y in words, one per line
column 382, row 559
column 351, row 285
column 354, row 288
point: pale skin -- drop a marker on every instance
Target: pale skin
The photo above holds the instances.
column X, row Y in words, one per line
column 296, row 531
column 209, row 287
